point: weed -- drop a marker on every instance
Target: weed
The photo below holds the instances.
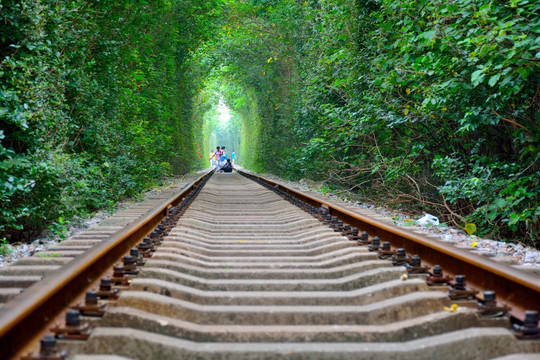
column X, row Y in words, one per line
column 59, row 228
column 324, row 189
column 5, row 248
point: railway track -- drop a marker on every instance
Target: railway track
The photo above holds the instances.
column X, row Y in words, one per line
column 234, row 271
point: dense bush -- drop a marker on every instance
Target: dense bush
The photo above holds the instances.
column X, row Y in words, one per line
column 94, row 104
column 432, row 105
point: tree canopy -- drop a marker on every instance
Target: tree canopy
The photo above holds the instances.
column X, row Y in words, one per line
column 430, row 105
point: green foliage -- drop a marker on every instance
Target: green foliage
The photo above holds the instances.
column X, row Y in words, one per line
column 5, row 249
column 216, row 132
column 432, row 104
column 48, row 255
column 469, row 72
column 502, row 196
column 59, row 228
column 95, row 104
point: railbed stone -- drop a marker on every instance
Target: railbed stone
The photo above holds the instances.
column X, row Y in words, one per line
column 322, row 260
column 43, row 260
column 6, row 294
column 472, row 343
column 428, row 325
column 186, row 257
column 254, row 243
column 39, row 270
column 383, row 312
column 10, row 281
column 363, row 296
column 270, row 271
column 100, row 357
column 328, row 249
column 350, row 282
column 304, row 237
column 80, row 242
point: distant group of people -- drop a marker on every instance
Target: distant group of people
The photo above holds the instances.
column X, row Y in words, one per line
column 220, row 161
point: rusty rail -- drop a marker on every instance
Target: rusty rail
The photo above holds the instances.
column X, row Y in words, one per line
column 25, row 317
column 518, row 289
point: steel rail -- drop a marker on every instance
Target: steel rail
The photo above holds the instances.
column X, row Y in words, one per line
column 23, row 318
column 518, row 289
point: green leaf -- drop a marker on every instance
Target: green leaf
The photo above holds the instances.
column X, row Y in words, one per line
column 429, row 35
column 493, row 80
column 470, row 228
column 477, row 77
column 514, row 218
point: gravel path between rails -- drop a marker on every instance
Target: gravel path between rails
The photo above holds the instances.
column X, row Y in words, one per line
column 517, row 255
column 14, row 252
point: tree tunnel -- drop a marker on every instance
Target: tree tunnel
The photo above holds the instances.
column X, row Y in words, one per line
column 429, row 105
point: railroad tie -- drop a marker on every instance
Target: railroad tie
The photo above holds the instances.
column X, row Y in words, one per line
column 246, row 271
column 247, row 275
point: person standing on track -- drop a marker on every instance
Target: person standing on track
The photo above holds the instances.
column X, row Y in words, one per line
column 233, row 156
column 223, row 155
column 211, row 158
column 217, row 156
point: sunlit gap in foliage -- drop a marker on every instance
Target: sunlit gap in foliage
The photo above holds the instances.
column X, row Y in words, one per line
column 221, row 124
column 224, row 113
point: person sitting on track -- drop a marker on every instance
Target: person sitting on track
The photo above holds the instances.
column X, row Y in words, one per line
column 227, row 167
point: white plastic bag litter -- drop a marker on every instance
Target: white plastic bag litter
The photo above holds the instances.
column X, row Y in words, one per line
column 428, row 219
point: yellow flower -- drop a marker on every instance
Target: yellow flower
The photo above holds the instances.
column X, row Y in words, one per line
column 408, row 91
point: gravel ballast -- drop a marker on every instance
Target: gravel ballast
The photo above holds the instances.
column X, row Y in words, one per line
column 13, row 252
column 514, row 254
